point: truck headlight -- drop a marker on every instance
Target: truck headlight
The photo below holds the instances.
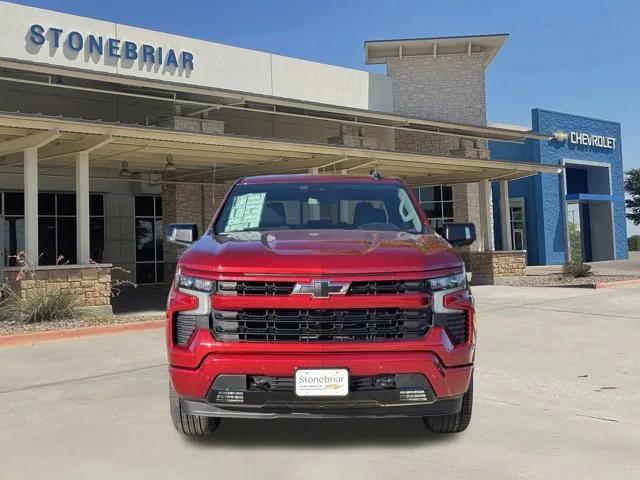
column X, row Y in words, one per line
column 448, row 282
column 195, row 283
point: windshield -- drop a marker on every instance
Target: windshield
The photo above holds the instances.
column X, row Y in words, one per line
column 319, row 206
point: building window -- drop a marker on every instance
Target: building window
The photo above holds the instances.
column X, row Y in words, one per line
column 437, row 203
column 149, row 254
column 56, row 227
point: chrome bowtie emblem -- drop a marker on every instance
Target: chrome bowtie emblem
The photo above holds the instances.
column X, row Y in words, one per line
column 321, row 288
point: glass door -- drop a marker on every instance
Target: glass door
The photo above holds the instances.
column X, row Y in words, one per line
column 518, row 224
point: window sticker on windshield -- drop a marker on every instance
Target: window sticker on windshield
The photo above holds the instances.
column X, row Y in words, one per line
column 246, row 212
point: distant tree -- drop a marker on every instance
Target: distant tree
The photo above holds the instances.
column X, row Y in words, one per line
column 632, row 187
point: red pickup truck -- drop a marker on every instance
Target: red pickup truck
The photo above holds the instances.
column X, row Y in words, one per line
column 320, row 296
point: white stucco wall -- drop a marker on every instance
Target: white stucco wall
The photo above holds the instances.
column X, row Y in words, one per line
column 215, row 65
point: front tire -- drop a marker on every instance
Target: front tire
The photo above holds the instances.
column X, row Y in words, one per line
column 455, row 422
column 190, row 425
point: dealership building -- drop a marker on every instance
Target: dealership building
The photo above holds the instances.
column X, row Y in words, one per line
column 109, row 132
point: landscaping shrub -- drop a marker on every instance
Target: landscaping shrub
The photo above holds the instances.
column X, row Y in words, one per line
column 6, row 297
column 634, row 243
column 38, row 305
column 576, row 269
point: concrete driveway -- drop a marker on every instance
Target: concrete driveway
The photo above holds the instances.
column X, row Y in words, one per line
column 557, row 396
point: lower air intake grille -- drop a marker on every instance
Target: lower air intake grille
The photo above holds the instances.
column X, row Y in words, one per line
column 287, row 384
column 457, row 327
column 184, row 325
column 321, row 325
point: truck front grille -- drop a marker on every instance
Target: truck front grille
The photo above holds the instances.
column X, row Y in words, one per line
column 255, row 288
column 282, row 325
column 382, row 287
column 374, row 287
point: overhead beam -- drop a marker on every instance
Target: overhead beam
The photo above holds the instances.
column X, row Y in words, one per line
column 432, row 165
column 202, row 111
column 276, row 147
column 71, row 148
column 35, row 140
column 357, row 167
column 161, row 146
column 335, row 162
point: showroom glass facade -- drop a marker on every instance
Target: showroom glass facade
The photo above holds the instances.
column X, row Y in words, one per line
column 437, row 203
column 149, row 230
column 56, row 227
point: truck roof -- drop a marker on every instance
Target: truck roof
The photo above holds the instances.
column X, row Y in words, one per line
column 314, row 178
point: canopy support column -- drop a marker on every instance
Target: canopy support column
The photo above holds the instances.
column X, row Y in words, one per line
column 31, row 248
column 505, row 215
column 82, row 208
column 485, row 215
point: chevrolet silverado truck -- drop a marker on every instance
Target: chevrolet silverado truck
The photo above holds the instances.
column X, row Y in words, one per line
column 314, row 296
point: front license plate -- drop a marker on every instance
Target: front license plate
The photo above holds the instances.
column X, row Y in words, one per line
column 331, row 382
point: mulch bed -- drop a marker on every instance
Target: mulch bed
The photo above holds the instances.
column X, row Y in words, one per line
column 16, row 328
column 560, row 281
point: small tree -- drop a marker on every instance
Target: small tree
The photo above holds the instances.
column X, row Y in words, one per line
column 575, row 267
column 575, row 243
column 632, row 187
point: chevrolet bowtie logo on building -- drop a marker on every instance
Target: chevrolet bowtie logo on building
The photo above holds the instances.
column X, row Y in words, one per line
column 321, row 288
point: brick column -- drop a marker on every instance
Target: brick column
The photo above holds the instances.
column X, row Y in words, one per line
column 448, row 88
column 181, row 203
column 184, row 203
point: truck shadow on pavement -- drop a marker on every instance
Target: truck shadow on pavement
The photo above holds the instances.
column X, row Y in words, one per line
column 327, row 433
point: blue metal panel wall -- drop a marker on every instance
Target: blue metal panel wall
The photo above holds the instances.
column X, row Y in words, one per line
column 546, row 235
column 552, row 153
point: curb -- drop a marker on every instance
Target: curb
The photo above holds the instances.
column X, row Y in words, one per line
column 77, row 333
column 620, row 283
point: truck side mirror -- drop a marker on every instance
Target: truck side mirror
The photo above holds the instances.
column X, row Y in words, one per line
column 183, row 234
column 459, row 234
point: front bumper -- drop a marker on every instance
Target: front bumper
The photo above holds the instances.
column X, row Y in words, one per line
column 347, row 408
column 240, row 396
column 443, row 386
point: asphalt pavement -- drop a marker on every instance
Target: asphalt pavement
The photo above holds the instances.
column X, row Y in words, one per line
column 557, row 395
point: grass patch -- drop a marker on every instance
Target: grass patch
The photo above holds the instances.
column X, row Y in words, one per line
column 37, row 305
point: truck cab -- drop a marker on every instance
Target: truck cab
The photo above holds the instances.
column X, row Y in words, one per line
column 314, row 296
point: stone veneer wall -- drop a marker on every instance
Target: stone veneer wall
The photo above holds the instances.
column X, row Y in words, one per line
column 448, row 88
column 184, row 203
column 90, row 283
column 492, row 267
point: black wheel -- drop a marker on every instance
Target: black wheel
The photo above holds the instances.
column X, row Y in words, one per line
column 190, row 425
column 455, row 422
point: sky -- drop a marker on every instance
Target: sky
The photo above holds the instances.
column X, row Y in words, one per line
column 579, row 57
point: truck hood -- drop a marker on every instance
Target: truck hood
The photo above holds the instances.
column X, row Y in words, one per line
column 313, row 252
